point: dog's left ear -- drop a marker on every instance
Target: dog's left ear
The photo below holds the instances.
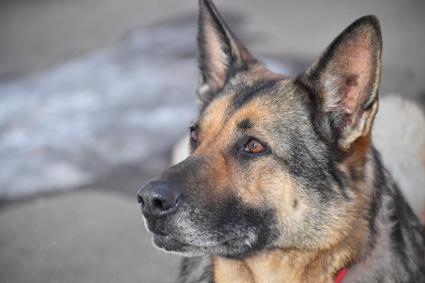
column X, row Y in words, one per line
column 345, row 83
column 220, row 53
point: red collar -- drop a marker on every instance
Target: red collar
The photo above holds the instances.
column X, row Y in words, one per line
column 340, row 276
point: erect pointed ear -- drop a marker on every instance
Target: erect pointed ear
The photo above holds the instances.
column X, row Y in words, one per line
column 220, row 52
column 345, row 82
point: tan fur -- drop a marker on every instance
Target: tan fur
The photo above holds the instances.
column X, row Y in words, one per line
column 358, row 154
column 286, row 265
column 294, row 265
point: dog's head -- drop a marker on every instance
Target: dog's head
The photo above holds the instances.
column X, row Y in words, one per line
column 275, row 161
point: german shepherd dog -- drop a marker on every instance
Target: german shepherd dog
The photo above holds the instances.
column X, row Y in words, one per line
column 283, row 183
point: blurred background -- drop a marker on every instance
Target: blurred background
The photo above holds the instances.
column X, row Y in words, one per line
column 95, row 93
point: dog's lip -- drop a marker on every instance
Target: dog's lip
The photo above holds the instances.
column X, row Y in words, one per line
column 162, row 237
column 169, row 243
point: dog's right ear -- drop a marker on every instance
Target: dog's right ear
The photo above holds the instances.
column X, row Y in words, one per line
column 220, row 53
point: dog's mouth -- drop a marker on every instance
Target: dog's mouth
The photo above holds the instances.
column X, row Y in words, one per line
column 182, row 247
column 170, row 244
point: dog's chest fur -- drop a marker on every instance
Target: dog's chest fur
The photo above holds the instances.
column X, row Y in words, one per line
column 274, row 266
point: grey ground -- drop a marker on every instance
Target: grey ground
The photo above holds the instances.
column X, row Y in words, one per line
column 95, row 233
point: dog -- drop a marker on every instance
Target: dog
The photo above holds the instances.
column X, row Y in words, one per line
column 283, row 183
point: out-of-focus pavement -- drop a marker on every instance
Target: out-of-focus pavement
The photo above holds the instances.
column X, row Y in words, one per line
column 95, row 234
column 89, row 236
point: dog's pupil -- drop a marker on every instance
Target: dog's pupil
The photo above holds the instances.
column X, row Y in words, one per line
column 254, row 146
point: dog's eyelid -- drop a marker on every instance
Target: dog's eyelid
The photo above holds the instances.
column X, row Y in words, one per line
column 194, row 135
column 257, row 138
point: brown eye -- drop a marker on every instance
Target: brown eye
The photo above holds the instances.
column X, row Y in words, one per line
column 194, row 134
column 254, row 146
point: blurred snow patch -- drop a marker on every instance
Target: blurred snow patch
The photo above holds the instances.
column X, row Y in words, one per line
column 62, row 128
column 120, row 106
column 399, row 135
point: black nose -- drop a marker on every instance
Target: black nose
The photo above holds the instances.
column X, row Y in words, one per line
column 159, row 197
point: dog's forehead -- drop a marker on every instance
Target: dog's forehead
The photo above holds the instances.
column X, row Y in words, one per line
column 224, row 111
column 215, row 114
column 247, row 100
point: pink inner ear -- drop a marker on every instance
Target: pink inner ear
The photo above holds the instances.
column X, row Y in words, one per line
column 218, row 61
column 353, row 67
column 354, row 59
column 349, row 94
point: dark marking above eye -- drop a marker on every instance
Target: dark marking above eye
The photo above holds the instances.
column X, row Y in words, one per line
column 245, row 124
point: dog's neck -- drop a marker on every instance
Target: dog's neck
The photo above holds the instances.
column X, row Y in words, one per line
column 286, row 265
column 295, row 265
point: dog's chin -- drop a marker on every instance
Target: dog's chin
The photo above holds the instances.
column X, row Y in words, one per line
column 171, row 245
column 232, row 248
